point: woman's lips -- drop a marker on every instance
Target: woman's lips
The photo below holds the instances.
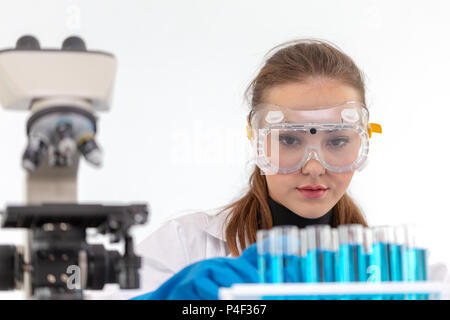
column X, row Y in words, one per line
column 313, row 192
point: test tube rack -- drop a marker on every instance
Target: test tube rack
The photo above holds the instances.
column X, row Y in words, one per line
column 334, row 290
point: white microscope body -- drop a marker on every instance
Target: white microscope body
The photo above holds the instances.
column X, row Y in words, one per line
column 62, row 89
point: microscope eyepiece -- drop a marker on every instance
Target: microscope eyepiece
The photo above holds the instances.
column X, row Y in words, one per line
column 74, row 44
column 27, row 43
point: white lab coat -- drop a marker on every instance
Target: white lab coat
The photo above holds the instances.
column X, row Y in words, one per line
column 184, row 240
column 181, row 242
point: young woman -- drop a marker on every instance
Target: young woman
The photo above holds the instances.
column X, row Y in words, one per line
column 309, row 127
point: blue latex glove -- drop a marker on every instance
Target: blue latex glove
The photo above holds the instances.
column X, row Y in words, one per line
column 202, row 280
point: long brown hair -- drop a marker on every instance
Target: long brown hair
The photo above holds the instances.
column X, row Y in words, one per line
column 295, row 61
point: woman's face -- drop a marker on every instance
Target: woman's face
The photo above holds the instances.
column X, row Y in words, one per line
column 284, row 188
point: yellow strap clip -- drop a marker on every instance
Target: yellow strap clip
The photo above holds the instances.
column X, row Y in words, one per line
column 249, row 132
column 249, row 129
column 374, row 127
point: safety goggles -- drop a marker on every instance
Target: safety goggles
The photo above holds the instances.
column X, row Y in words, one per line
column 284, row 139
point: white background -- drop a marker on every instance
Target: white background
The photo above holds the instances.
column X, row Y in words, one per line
column 175, row 136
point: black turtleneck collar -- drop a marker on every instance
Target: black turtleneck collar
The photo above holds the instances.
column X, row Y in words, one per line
column 283, row 216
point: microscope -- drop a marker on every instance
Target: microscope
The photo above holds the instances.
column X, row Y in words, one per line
column 63, row 88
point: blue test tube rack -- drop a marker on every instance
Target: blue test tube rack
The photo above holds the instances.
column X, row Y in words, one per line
column 347, row 254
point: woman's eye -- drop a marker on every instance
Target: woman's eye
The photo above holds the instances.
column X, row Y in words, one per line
column 289, row 140
column 338, row 142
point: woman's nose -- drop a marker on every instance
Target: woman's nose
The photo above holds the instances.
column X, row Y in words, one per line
column 312, row 167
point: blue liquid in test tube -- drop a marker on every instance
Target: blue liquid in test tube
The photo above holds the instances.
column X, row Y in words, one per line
column 371, row 271
column 276, row 255
column 422, row 268
column 396, row 249
column 380, row 256
column 276, row 259
column 312, row 274
column 411, row 266
column 270, row 261
column 356, row 239
column 357, row 256
column 291, row 256
column 352, row 261
column 303, row 254
column 324, row 249
column 422, row 264
column 264, row 259
column 377, row 258
column 422, row 257
column 335, row 252
column 311, row 256
column 344, row 266
column 382, row 252
column 325, row 255
column 263, row 252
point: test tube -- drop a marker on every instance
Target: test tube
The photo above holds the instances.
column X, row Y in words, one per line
column 345, row 274
column 400, row 244
column 324, row 253
column 393, row 259
column 358, row 265
column 415, row 260
column 410, row 257
column 291, row 254
column 380, row 253
column 372, row 271
column 368, row 251
column 400, row 239
column 262, row 248
column 303, row 254
column 335, row 252
column 312, row 274
column 276, row 255
column 422, row 255
column 380, row 257
column 311, row 266
column 395, row 254
column 411, row 262
column 325, row 256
